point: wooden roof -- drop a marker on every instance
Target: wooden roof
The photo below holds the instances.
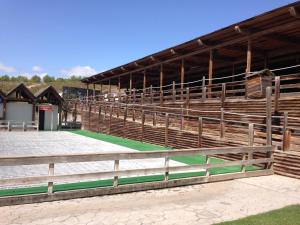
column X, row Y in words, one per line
column 274, row 33
column 21, row 92
column 49, row 95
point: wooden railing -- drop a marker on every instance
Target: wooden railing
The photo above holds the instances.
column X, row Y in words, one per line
column 18, row 124
column 264, row 165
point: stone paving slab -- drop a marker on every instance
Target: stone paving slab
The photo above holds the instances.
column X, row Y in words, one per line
column 61, row 142
column 193, row 205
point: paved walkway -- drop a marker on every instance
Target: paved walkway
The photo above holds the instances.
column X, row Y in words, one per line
column 43, row 143
column 199, row 204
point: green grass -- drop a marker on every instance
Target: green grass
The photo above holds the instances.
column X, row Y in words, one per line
column 289, row 215
column 137, row 145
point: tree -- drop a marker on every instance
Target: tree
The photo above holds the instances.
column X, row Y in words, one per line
column 4, row 78
column 48, row 79
column 35, row 79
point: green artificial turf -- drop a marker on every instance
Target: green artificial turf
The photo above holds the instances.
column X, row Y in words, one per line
column 289, row 215
column 137, row 145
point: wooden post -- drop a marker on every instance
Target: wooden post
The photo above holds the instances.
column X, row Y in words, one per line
column 204, row 94
column 277, row 93
column 134, row 96
column 166, row 129
column 187, row 97
column 133, row 113
column 154, row 118
column 286, row 134
column 99, row 117
column 142, row 98
column 167, row 159
column 182, row 76
column 203, row 88
column 143, row 125
column 87, row 93
column 151, row 94
column 161, row 79
column 250, row 138
column 116, row 169
column 110, row 115
column 50, row 173
column 200, row 131
column 248, row 66
column 90, row 109
column 210, row 71
column 130, row 87
column 94, row 92
column 161, row 98
column 222, row 124
column 182, row 119
column 173, row 92
column 269, row 115
column 124, row 121
column 223, row 95
column 144, row 80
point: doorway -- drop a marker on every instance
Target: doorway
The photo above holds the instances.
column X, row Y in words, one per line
column 41, row 120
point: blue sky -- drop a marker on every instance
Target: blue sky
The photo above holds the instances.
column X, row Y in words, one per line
column 82, row 37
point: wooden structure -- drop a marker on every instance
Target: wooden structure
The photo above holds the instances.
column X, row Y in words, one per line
column 269, row 40
column 52, row 160
column 49, row 95
column 256, row 83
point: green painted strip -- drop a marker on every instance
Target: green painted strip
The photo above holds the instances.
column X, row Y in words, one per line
column 137, row 145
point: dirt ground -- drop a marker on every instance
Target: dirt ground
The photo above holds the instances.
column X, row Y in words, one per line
column 198, row 204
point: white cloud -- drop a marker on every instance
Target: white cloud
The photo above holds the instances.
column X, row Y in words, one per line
column 79, row 71
column 37, row 69
column 6, row 69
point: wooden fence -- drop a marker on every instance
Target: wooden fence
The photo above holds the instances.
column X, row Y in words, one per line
column 51, row 160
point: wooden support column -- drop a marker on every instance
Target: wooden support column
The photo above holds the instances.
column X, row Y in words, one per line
column 94, row 91
column 187, row 103
column 203, row 89
column 130, row 87
column 173, row 92
column 119, row 85
column 161, row 78
column 143, row 125
column 87, row 93
column 200, row 131
column 250, row 138
column 269, row 115
column 277, row 93
column 248, row 66
column 182, row 78
column 50, row 173
column 223, row 95
column 210, row 71
column 144, row 81
column 151, row 94
column 286, row 140
column 222, row 124
column 166, row 129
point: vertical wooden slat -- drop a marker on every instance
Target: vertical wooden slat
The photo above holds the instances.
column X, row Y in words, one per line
column 166, row 129
column 161, row 96
column 130, row 86
column 50, row 173
column 144, row 80
column 133, row 113
column 94, row 91
column 200, row 131
column 173, row 92
column 286, row 133
column 222, row 124
column 187, row 98
column 210, row 71
column 269, row 115
column 248, row 65
column 124, row 121
column 110, row 116
column 116, row 168
column 167, row 159
column 154, row 118
column 223, row 95
column 151, row 94
column 182, row 78
column 181, row 119
column 277, row 93
column 143, row 125
column 161, row 78
column 204, row 94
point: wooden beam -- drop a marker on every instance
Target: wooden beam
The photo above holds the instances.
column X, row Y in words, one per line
column 249, row 56
column 210, row 70
column 144, row 80
column 221, row 45
column 182, row 77
column 161, row 80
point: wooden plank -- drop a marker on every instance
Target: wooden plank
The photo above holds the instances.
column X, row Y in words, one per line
column 269, row 115
column 132, row 172
column 89, row 157
column 200, row 131
column 63, row 195
column 277, row 93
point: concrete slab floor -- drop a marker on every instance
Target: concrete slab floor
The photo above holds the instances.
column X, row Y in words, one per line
column 198, row 204
column 62, row 142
